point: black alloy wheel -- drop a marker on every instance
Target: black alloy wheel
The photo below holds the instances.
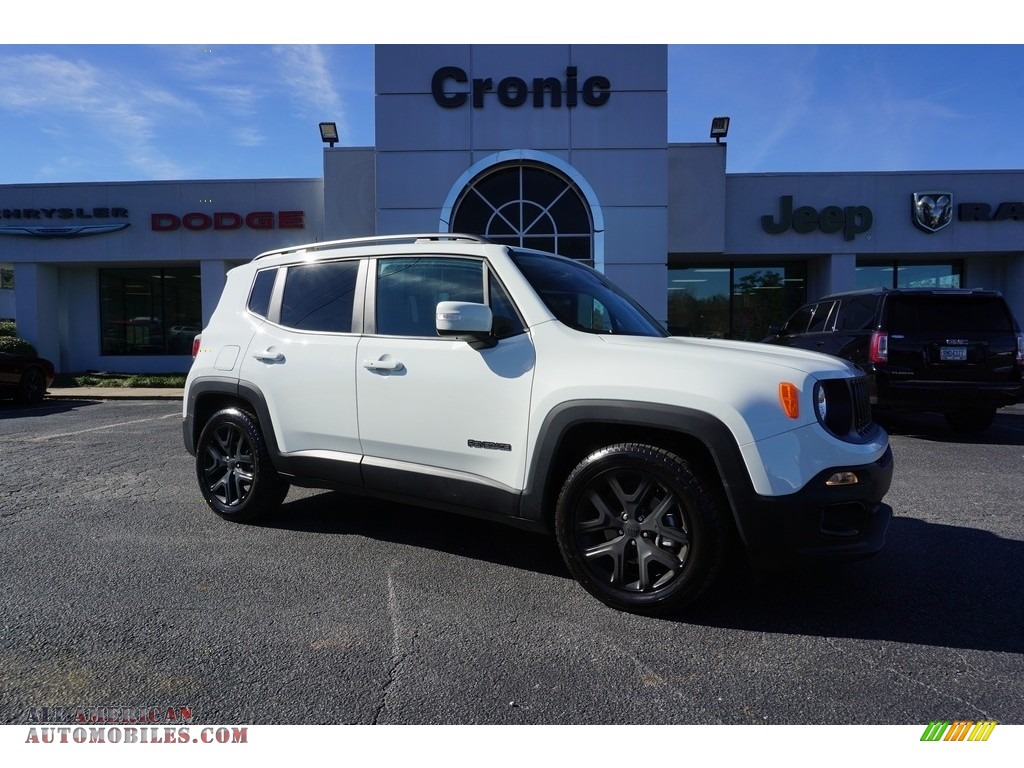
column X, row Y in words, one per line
column 233, row 465
column 640, row 529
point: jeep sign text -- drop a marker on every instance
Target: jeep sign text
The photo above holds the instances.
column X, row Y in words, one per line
column 852, row 220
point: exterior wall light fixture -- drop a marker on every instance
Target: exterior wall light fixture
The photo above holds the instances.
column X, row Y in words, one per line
column 719, row 128
column 329, row 133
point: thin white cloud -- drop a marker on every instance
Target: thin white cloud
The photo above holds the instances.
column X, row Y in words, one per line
column 74, row 98
column 249, row 137
column 306, row 73
column 239, row 100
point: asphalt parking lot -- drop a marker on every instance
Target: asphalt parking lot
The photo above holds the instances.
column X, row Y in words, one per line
column 119, row 587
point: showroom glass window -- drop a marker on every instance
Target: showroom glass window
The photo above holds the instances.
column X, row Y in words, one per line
column 149, row 311
column 896, row 274
column 734, row 302
column 527, row 206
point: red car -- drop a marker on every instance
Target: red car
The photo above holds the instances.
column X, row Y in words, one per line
column 24, row 377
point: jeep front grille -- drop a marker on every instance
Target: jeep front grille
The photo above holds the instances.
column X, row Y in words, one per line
column 861, row 397
column 849, row 409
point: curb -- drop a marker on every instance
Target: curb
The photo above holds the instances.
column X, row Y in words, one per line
column 114, row 393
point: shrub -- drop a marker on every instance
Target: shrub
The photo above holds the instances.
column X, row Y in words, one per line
column 7, row 328
column 16, row 346
column 148, row 380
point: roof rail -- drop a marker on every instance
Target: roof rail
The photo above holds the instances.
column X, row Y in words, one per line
column 352, row 242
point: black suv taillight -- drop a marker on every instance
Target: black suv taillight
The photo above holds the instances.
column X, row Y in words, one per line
column 1020, row 349
column 195, row 345
column 879, row 352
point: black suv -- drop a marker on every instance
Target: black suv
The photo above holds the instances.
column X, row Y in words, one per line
column 959, row 352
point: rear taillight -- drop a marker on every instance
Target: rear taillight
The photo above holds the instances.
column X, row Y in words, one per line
column 1020, row 348
column 195, row 345
column 879, row 347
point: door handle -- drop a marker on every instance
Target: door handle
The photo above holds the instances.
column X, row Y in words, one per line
column 382, row 365
column 267, row 356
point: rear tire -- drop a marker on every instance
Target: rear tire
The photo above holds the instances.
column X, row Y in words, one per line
column 970, row 421
column 641, row 529
column 233, row 466
column 32, row 387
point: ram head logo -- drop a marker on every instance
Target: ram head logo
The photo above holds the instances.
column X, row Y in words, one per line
column 932, row 210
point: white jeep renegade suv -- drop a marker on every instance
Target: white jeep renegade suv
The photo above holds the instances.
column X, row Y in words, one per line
column 450, row 372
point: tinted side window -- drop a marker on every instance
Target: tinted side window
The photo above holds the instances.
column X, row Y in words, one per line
column 800, row 319
column 857, row 314
column 262, row 288
column 408, row 290
column 819, row 321
column 319, row 297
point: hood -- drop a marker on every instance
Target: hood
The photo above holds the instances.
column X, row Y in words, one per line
column 735, row 352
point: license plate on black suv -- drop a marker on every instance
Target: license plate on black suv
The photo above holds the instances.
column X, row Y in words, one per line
column 953, row 354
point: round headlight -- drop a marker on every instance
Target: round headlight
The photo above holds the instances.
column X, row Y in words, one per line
column 821, row 403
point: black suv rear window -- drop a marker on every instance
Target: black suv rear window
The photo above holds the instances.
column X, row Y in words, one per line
column 951, row 313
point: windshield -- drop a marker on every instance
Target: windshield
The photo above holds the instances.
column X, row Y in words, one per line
column 583, row 298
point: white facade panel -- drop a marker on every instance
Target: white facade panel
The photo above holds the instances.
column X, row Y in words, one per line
column 625, row 178
column 628, row 120
column 696, row 198
column 634, row 255
column 408, row 220
column 401, row 68
column 445, row 129
column 350, row 192
column 417, row 179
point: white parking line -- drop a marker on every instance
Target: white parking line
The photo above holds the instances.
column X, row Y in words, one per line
column 43, row 438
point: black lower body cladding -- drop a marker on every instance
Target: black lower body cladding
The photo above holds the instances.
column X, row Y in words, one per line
column 819, row 521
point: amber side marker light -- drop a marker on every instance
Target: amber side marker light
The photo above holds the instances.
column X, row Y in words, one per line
column 789, row 396
column 843, row 478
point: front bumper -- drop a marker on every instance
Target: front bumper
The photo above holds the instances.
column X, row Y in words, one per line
column 819, row 521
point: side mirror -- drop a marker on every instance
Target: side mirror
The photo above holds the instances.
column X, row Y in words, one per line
column 463, row 320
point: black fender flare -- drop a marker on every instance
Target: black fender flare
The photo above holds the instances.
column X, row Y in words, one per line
column 689, row 423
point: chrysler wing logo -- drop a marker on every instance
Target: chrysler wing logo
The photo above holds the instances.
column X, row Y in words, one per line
column 932, row 210
column 70, row 231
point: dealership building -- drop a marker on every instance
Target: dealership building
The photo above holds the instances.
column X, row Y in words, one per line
column 558, row 147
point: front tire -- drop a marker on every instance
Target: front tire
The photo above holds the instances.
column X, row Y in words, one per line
column 641, row 529
column 233, row 466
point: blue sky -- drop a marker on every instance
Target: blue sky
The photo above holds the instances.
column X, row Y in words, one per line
column 106, row 110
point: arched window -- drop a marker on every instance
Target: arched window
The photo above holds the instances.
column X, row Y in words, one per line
column 527, row 206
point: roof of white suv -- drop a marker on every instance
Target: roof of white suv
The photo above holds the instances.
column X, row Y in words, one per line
column 357, row 242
